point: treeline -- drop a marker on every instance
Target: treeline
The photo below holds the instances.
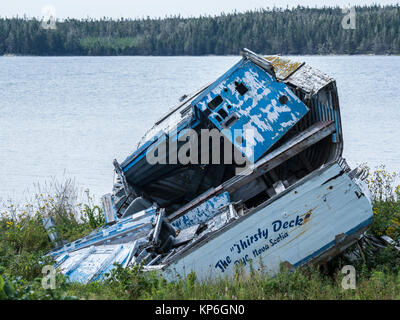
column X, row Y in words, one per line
column 275, row 31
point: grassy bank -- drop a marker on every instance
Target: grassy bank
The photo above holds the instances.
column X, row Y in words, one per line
column 23, row 242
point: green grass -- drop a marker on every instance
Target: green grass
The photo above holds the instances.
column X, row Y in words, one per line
column 301, row 284
column 23, row 242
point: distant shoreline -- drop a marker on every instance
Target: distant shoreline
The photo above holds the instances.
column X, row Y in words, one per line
column 205, row 56
column 299, row 31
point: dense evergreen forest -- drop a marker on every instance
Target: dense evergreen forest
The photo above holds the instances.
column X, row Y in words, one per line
column 273, row 31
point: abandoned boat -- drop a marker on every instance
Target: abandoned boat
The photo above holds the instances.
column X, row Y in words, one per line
column 277, row 190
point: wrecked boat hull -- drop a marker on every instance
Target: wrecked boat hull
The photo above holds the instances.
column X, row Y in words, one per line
column 313, row 220
column 310, row 222
column 296, row 201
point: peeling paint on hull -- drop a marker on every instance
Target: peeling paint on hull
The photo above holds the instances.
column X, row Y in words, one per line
column 301, row 225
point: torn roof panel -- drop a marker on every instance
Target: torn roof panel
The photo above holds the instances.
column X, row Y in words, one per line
column 283, row 67
column 309, row 79
column 299, row 74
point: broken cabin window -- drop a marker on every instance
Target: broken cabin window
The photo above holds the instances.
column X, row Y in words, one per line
column 222, row 113
column 283, row 99
column 231, row 120
column 215, row 102
column 218, row 117
column 241, row 88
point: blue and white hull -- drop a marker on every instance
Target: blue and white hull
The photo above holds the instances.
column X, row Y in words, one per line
column 311, row 221
column 295, row 202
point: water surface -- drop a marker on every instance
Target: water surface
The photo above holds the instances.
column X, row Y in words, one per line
column 71, row 116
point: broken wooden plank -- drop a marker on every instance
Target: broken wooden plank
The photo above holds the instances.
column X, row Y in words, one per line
column 292, row 147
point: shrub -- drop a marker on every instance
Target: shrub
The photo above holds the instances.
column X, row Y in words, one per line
column 23, row 239
column 386, row 203
column 129, row 282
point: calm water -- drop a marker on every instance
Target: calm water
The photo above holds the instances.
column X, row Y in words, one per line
column 71, row 116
